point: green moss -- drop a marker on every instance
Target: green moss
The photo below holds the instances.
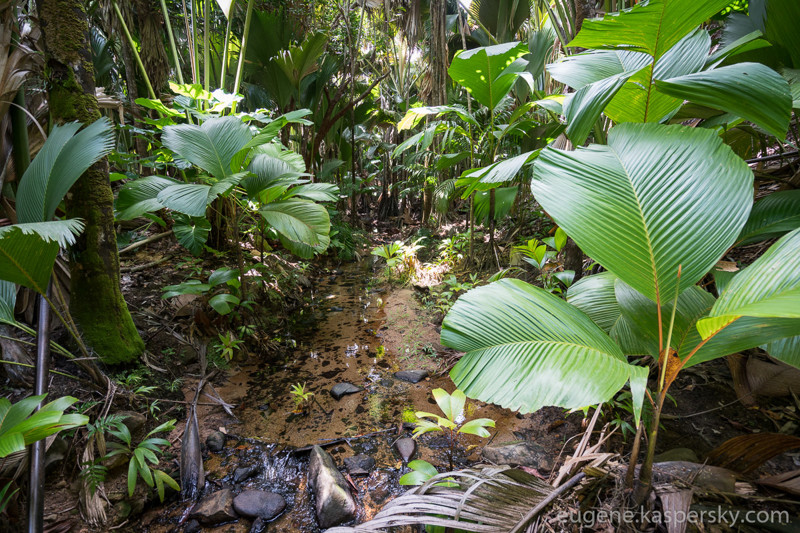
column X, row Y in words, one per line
column 96, row 301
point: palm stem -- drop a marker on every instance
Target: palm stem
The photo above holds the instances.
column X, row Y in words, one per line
column 172, row 45
column 136, row 55
column 242, row 51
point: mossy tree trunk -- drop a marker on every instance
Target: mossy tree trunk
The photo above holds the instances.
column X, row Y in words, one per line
column 96, row 300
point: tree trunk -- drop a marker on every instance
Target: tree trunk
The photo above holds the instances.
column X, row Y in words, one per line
column 438, row 52
column 96, row 300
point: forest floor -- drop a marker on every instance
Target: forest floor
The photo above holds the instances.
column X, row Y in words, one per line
column 342, row 322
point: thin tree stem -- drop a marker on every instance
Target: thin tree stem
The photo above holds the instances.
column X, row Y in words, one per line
column 136, row 55
column 242, row 51
column 173, row 47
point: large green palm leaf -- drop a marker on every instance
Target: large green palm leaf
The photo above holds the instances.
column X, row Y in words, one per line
column 211, row 146
column 764, row 295
column 520, row 340
column 28, row 251
column 653, row 28
column 488, row 73
column 666, row 195
column 64, row 157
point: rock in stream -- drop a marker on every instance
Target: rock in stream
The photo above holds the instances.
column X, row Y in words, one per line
column 334, row 503
column 343, row 389
column 215, row 508
column 259, row 504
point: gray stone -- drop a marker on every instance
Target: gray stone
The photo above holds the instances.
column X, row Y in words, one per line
column 677, row 454
column 343, row 389
column 359, row 465
column 334, row 504
column 412, row 376
column 192, row 526
column 133, row 421
column 712, row 478
column 215, row 442
column 215, row 508
column 259, row 525
column 259, row 504
column 244, row 473
column 406, row 448
column 522, row 453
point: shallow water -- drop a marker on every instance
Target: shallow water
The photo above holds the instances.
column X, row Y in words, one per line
column 336, row 339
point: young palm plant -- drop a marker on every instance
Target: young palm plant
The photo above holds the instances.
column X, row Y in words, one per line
column 674, row 199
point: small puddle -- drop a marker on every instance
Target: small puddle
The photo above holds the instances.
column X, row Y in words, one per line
column 338, row 340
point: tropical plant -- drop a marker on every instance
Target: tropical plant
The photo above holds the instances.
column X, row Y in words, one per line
column 537, row 254
column 142, row 456
column 301, row 397
column 21, row 424
column 676, row 198
column 221, row 289
column 453, row 423
column 643, row 63
column 238, row 166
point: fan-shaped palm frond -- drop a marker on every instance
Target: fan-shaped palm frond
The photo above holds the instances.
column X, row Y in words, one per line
column 483, row 499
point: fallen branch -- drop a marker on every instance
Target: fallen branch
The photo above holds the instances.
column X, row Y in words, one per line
column 148, row 240
column 145, row 266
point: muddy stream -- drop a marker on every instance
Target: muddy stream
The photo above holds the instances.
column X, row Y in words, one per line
column 351, row 333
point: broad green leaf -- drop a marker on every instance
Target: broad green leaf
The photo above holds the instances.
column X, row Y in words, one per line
column 653, row 27
column 477, row 427
column 193, row 198
column 223, row 303
column 452, row 405
column 195, row 91
column 297, row 220
column 267, row 170
column 772, row 216
column 415, row 114
column 580, row 70
column 520, row 341
column 319, row 192
column 450, row 160
column 583, row 108
column 421, row 471
column 65, row 156
column 503, row 202
column 131, row 477
column 488, row 73
column 596, row 296
column 302, row 226
column 28, row 251
column 297, row 62
column 767, row 292
column 493, row 175
column 191, row 233
column 187, row 198
column 211, row 146
column 223, row 275
column 786, row 350
column 139, row 197
column 750, row 90
column 158, row 105
column 638, row 101
column 667, row 195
